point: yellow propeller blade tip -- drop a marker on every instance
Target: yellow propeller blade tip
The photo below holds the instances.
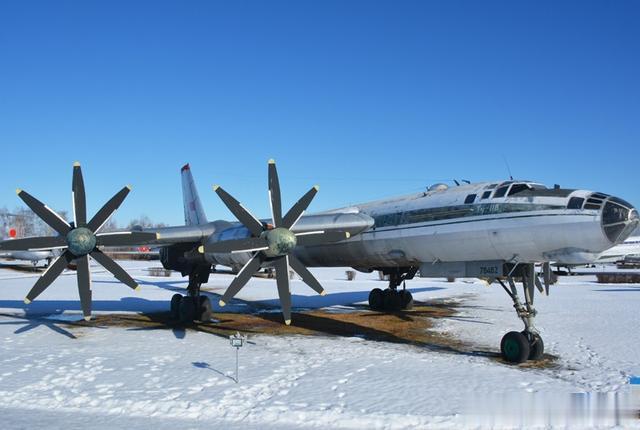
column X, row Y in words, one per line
column 215, row 187
column 76, row 164
column 137, row 289
column 287, row 322
column 18, row 190
column 348, row 234
column 157, row 236
column 272, row 161
column 317, row 187
column 201, row 249
column 27, row 301
column 129, row 187
column 323, row 293
column 221, row 303
column 87, row 318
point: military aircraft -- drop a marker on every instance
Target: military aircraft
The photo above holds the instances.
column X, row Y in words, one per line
column 492, row 230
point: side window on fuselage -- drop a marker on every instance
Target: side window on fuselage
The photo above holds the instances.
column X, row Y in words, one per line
column 470, row 199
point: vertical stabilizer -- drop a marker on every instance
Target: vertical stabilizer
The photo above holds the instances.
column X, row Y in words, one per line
column 193, row 212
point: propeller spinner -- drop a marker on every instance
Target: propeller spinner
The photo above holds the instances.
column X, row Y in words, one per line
column 273, row 244
column 79, row 241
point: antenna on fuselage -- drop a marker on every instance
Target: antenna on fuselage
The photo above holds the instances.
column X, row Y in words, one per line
column 508, row 168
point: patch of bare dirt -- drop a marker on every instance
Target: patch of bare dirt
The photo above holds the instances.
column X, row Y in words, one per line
column 413, row 327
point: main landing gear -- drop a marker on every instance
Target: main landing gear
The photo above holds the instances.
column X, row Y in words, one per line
column 392, row 299
column 520, row 346
column 193, row 306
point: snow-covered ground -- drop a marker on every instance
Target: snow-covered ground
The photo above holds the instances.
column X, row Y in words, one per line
column 57, row 375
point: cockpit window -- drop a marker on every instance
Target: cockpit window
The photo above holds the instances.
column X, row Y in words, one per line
column 613, row 214
column 575, row 203
column 517, row 188
column 621, row 202
column 470, row 199
column 492, row 186
column 486, row 195
column 500, row 192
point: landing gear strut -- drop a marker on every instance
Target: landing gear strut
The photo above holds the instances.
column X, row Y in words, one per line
column 518, row 347
column 194, row 306
column 392, row 299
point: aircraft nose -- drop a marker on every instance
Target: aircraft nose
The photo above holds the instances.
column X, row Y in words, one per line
column 619, row 219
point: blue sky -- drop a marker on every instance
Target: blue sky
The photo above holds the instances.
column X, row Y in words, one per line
column 366, row 98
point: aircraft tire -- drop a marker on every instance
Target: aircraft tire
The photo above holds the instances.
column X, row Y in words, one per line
column 515, row 347
column 205, row 309
column 392, row 300
column 175, row 306
column 536, row 348
column 187, row 309
column 406, row 299
column 376, row 299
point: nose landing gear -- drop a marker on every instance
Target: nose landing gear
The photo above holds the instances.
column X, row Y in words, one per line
column 518, row 347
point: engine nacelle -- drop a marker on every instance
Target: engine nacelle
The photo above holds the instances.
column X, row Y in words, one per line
column 230, row 259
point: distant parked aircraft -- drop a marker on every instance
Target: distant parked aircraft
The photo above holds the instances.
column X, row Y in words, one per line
column 627, row 251
column 30, row 255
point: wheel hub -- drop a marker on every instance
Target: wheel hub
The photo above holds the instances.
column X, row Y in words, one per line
column 511, row 348
column 281, row 241
column 81, row 241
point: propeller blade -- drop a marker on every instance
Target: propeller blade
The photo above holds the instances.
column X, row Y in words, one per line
column 84, row 285
column 114, row 268
column 49, row 276
column 79, row 197
column 313, row 238
column 238, row 245
column 34, row 243
column 242, row 278
column 105, row 212
column 305, row 274
column 45, row 213
column 282, row 279
column 274, row 195
column 546, row 275
column 298, row 209
column 125, row 238
column 243, row 215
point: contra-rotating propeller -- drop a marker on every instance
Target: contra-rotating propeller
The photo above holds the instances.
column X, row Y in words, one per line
column 78, row 241
column 273, row 244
